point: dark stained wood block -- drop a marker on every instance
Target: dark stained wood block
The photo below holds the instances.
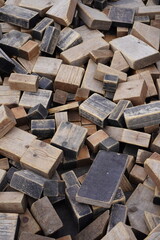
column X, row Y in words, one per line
column 109, row 144
column 60, row 96
column 28, row 235
column 105, row 162
column 110, row 83
column 54, row 188
column 28, row 182
column 100, row 4
column 8, row 226
column 39, row 29
column 19, row 16
column 70, row 179
column 37, row 112
column 10, row 173
column 46, row 216
column 43, row 129
column 96, row 109
column 45, row 83
column 6, row 64
column 18, row 67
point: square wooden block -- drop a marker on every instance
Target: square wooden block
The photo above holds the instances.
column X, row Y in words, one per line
column 29, row 50
column 137, row 174
column 82, row 94
column 60, row 96
column 20, row 115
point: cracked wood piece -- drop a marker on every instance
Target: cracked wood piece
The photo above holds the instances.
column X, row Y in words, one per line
column 151, row 220
column 6, row 64
column 29, row 50
column 105, row 162
column 27, row 235
column 68, row 106
column 8, row 226
column 150, row 11
column 129, row 136
column 151, row 167
column 7, row 120
column 38, row 30
column 95, row 139
column 118, row 62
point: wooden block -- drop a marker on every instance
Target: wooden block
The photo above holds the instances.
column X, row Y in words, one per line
column 155, row 23
column 12, row 202
column 109, row 95
column 30, row 99
column 93, row 18
column 122, row 31
column 60, row 96
column 41, row 158
column 119, row 197
column 3, row 179
column 95, row 139
column 73, row 116
column 109, row 144
column 28, row 65
column 96, row 109
column 142, row 155
column 91, row 129
column 83, row 158
column 151, row 220
column 104, row 69
column 146, row 75
column 19, row 16
column 82, row 94
column 37, row 112
column 146, row 56
column 20, row 115
column 45, row 83
column 69, row 137
column 6, row 64
column 100, row 4
column 79, row 55
column 27, row 235
column 82, row 213
column 152, row 236
column 69, row 106
column 70, row 179
column 28, row 182
column 137, row 174
column 47, row 67
column 101, row 56
column 7, row 120
column 150, row 11
column 110, row 83
column 151, row 167
column 4, row 164
column 158, row 87
column 46, row 216
column 152, row 69
column 119, row 63
column 156, row 199
column 68, row 38
column 18, row 67
column 54, row 188
column 68, row 78
column 29, row 50
column 28, row 223
column 126, row 185
column 23, row 82
column 129, row 136
column 8, row 226
column 116, row 118
column 142, row 19
column 49, row 40
column 108, row 161
column 122, row 17
column 60, row 117
column 120, row 231
column 87, row 33
column 118, row 214
column 149, row 115
column 62, row 12
column 155, row 147
column 43, row 129
column 134, row 91
column 96, row 229
column 38, row 30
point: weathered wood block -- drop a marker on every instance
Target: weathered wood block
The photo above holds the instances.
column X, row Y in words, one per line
column 101, row 56
column 23, row 82
column 142, row 19
column 43, row 129
column 150, row 11
column 45, row 83
column 28, row 182
column 82, row 213
column 20, row 115
column 46, row 216
column 94, row 140
column 151, row 220
column 109, row 144
column 142, row 155
column 87, row 33
column 69, row 137
column 60, row 96
column 149, row 183
column 118, row 62
column 100, row 4
column 122, row 31
column 37, row 112
column 60, row 117
column 12, row 202
column 3, row 179
column 6, row 64
column 137, row 174
column 82, row 94
column 49, row 40
column 129, row 136
column 96, row 109
column 18, row 67
column 19, row 16
column 47, row 67
column 27, row 235
column 68, row 106
column 110, row 83
column 7, row 120
column 93, row 18
column 70, row 179
column 4, row 164
column 54, row 188
column 155, row 146
column 142, row 116
column 29, row 50
column 68, row 78
column 10, row 173
column 8, row 226
column 28, row 65
column 151, row 167
column 146, row 56
column 39, row 29
column 31, row 99
column 156, row 199
column 135, row 91
column 104, row 162
column 41, row 158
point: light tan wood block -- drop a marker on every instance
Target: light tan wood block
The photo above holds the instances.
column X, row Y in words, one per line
column 20, row 115
column 126, row 185
column 122, row 31
column 4, row 164
column 142, row 155
column 153, row 69
column 94, row 140
column 150, row 11
column 28, row 64
column 61, row 117
column 8, row 96
column 119, row 63
column 101, row 56
column 146, row 75
column 29, row 50
column 151, row 220
column 137, row 174
column 68, row 106
column 149, row 183
column 155, row 145
column 87, row 33
column 91, row 129
column 152, row 169
column 7, row 120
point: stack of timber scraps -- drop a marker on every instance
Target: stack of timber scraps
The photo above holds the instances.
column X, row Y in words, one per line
column 79, row 120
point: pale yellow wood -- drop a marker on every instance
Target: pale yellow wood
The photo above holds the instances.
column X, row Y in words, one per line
column 65, row 107
column 94, row 140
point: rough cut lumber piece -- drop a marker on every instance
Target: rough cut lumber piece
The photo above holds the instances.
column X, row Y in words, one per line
column 104, row 162
column 135, row 91
column 89, row 82
column 118, row 214
column 101, row 56
column 151, row 220
column 60, row 117
column 18, row 16
column 28, row 182
column 69, row 137
column 28, row 235
column 20, row 115
column 87, row 33
column 82, row 213
column 68, row 78
column 129, row 136
column 12, row 202
column 122, row 17
column 45, row 83
column 94, row 140
column 155, row 145
column 70, row 179
column 118, row 62
column 28, row 223
column 41, row 158
column 146, row 75
column 15, row 143
column 62, row 11
column 79, row 55
column 137, row 174
column 38, row 30
column 43, row 129
column 142, row 116
column 31, row 99
column 150, row 11
column 68, row 38
column 82, row 94
column 96, row 229
column 146, row 56
column 96, row 109
column 6, row 64
column 68, row 106
column 122, row 31
column 47, row 67
column 29, row 50
column 109, row 144
column 152, row 169
column 142, row 155
column 46, row 216
column 104, row 69
column 7, row 120
column 23, row 82
column 147, row 33
column 4, row 164
column 93, row 18
column 8, row 226
column 110, row 83
column 37, row 112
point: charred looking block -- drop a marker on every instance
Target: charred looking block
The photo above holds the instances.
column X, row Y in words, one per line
column 43, row 128
column 37, row 112
column 109, row 144
column 100, row 4
column 110, row 83
column 6, row 64
column 45, row 83
column 38, row 30
column 54, row 188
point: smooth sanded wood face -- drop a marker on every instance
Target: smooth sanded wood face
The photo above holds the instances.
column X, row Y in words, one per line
column 8, row 226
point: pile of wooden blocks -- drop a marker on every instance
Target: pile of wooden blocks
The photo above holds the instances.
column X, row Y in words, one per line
column 79, row 120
